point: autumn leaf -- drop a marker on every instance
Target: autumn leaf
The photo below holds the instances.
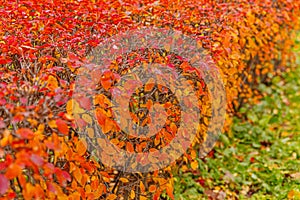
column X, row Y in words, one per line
column 132, row 194
column 142, row 187
column 152, row 188
column 100, row 190
column 45, row 45
column 37, row 160
column 149, row 85
column 62, row 126
column 111, row 197
column 85, row 103
column 194, row 165
column 169, row 191
column 25, row 133
column 81, row 147
column 129, row 147
column 13, row 171
column 52, row 82
column 78, row 175
column 4, row 184
column 124, row 180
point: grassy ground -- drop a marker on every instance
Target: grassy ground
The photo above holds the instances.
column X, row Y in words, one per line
column 260, row 158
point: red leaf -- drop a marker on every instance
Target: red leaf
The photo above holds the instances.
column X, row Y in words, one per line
column 4, row 61
column 2, row 102
column 73, row 57
column 11, row 195
column 38, row 160
column 62, row 126
column 2, row 124
column 51, row 188
column 25, row 133
column 66, row 175
column 4, row 184
column 85, row 103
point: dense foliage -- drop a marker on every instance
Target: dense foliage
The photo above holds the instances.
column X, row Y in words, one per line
column 42, row 47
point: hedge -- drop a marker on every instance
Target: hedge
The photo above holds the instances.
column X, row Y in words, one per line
column 43, row 45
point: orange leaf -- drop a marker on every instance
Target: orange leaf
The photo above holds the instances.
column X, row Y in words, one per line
column 81, row 147
column 100, row 189
column 77, row 174
column 193, row 154
column 106, row 84
column 152, row 188
column 101, row 116
column 149, row 85
column 13, row 171
column 129, row 147
column 140, row 147
column 142, row 187
column 101, row 100
column 157, row 195
column 167, row 136
column 170, row 191
column 109, row 125
column 173, row 128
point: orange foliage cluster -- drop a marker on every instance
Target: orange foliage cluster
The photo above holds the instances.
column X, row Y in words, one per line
column 42, row 46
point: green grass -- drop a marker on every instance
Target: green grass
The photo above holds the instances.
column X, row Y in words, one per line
column 260, row 157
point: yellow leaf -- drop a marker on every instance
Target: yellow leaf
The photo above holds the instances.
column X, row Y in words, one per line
column 52, row 83
column 111, row 197
column 73, row 107
column 40, row 129
column 52, row 124
column 88, row 188
column 193, row 154
column 132, row 194
column 87, row 118
column 69, row 106
column 124, row 180
column 90, row 132
column 194, row 165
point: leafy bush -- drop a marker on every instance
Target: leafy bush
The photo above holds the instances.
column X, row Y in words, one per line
column 42, row 47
